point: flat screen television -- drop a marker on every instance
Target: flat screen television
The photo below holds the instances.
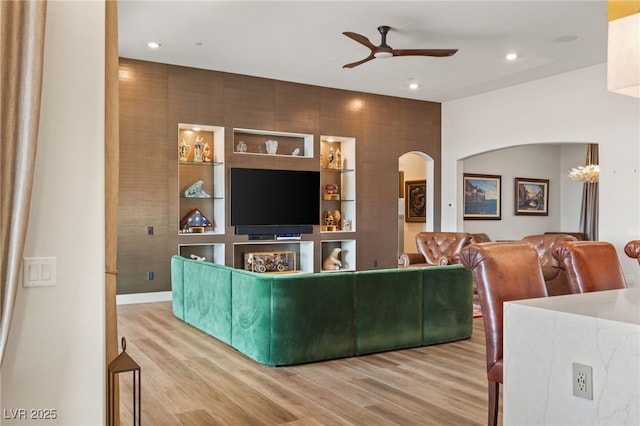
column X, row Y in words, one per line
column 267, row 201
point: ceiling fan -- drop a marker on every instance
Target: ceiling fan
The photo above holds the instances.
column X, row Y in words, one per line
column 385, row 51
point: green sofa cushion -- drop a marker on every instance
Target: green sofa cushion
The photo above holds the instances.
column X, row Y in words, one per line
column 208, row 298
column 388, row 309
column 448, row 304
column 315, row 317
column 251, row 314
column 177, row 286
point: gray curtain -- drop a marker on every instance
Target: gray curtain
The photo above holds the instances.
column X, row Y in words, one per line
column 589, row 209
column 22, row 25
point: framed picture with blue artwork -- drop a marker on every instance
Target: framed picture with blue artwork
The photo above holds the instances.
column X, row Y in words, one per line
column 482, row 197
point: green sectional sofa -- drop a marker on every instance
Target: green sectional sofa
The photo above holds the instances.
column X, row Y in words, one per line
column 285, row 319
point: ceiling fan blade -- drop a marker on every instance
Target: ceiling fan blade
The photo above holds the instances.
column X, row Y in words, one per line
column 360, row 39
column 424, row 52
column 355, row 64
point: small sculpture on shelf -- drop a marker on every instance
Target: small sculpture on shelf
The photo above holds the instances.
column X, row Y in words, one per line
column 198, row 258
column 195, row 191
column 338, row 160
column 207, row 155
column 336, row 219
column 332, row 263
column 197, row 155
column 346, row 224
column 331, row 192
column 296, row 152
column 241, row 146
column 184, row 150
column 272, row 146
column 331, row 158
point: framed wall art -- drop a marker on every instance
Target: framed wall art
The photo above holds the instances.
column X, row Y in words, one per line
column 415, row 200
column 482, row 197
column 532, row 196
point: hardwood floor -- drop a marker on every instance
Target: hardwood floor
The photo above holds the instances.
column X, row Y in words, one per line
column 191, row 378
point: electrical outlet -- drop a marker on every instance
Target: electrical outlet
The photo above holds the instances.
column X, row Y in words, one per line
column 582, row 381
column 375, row 263
column 149, row 230
column 149, row 276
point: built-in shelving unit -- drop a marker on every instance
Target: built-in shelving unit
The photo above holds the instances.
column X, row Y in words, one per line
column 201, row 188
column 338, row 183
column 264, row 142
column 301, row 250
column 347, row 255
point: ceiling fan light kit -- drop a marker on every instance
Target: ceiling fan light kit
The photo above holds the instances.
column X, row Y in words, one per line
column 383, row 50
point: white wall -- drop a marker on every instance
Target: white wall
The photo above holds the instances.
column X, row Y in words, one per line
column 539, row 161
column 415, row 167
column 55, row 354
column 567, row 108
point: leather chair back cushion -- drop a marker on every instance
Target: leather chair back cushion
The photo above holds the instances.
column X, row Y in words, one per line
column 503, row 271
column 442, row 248
column 544, row 246
column 590, row 265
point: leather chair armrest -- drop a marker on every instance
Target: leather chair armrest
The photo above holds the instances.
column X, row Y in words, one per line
column 632, row 249
column 408, row 259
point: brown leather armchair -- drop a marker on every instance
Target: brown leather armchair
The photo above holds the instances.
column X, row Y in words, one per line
column 436, row 248
column 480, row 238
column 632, row 249
column 502, row 271
column 554, row 276
column 590, row 265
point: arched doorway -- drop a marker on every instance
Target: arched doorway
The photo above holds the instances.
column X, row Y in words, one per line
column 415, row 169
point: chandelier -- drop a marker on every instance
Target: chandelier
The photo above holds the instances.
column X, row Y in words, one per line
column 590, row 173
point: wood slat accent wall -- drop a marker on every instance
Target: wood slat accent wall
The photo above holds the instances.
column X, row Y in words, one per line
column 154, row 98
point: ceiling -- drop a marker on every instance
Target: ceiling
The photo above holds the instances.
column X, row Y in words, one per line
column 302, row 41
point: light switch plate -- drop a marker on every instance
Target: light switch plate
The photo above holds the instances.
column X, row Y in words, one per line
column 39, row 271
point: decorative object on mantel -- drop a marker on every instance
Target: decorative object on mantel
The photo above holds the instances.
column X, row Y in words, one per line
column 272, row 146
column 184, row 150
column 194, row 222
column 295, row 152
column 241, row 146
column 590, row 173
column 197, row 155
column 332, row 263
column 198, row 258
column 123, row 363
column 196, row 191
column 623, row 50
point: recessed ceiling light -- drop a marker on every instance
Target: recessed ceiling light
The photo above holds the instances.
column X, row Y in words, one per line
column 511, row 56
column 413, row 86
column 153, row 45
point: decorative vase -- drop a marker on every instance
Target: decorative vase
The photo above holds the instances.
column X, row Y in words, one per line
column 272, row 147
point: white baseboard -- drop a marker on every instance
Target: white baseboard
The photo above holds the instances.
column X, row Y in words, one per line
column 127, row 299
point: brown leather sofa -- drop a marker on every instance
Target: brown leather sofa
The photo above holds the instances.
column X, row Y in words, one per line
column 436, row 248
column 579, row 235
column 554, row 276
